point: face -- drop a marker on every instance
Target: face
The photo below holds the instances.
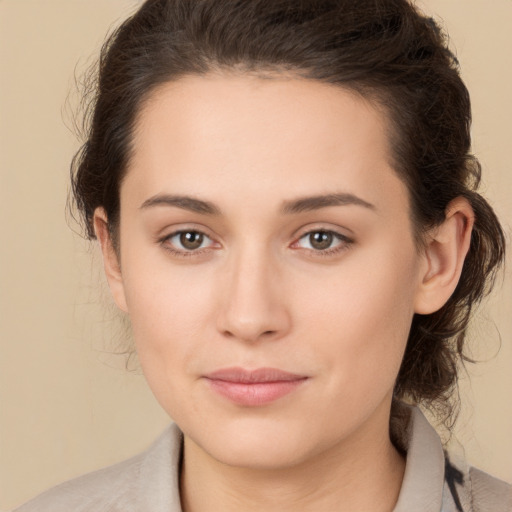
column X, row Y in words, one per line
column 263, row 228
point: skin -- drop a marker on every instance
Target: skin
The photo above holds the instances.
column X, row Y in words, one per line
column 260, row 293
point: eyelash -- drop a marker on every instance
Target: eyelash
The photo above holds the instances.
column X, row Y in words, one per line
column 182, row 253
column 345, row 244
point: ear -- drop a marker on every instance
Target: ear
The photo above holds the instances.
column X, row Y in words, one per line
column 111, row 262
column 447, row 247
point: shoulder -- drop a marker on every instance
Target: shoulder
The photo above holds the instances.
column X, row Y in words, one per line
column 441, row 479
column 473, row 490
column 489, row 494
column 128, row 486
column 95, row 491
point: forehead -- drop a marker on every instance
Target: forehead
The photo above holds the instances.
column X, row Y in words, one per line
column 246, row 134
column 294, row 108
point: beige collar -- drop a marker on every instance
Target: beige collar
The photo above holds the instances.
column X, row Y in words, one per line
column 423, row 488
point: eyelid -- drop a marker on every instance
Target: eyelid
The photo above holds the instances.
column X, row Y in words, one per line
column 164, row 239
column 345, row 242
column 341, row 232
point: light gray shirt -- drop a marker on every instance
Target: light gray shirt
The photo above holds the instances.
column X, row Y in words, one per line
column 149, row 482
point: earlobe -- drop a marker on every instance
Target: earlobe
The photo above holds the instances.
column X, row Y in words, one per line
column 444, row 256
column 111, row 262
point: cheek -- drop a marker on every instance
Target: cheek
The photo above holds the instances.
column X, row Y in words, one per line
column 167, row 309
column 170, row 309
column 168, row 334
column 360, row 319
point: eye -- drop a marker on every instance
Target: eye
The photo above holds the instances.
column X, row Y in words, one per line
column 187, row 241
column 323, row 241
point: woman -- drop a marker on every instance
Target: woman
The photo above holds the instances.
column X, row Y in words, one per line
column 287, row 209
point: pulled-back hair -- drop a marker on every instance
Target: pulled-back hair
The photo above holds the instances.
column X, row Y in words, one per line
column 385, row 50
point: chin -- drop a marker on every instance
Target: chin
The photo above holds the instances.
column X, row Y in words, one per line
column 260, row 444
column 265, row 456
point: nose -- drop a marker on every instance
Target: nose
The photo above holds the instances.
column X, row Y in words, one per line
column 253, row 300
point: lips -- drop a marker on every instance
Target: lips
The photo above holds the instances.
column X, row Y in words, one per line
column 253, row 387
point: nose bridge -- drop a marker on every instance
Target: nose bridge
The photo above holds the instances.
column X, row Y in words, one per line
column 254, row 305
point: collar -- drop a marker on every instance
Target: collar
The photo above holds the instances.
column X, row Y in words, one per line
column 423, row 487
column 423, row 484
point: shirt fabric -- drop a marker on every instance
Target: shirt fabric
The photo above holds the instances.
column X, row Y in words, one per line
column 149, row 482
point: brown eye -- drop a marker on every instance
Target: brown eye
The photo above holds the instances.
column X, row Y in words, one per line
column 187, row 242
column 191, row 240
column 321, row 240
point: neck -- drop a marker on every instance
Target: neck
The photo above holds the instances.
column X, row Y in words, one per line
column 362, row 473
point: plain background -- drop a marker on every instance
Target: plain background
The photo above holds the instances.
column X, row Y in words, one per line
column 67, row 406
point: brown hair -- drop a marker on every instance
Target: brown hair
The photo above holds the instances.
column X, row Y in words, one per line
column 384, row 49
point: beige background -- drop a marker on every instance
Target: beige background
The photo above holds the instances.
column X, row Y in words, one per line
column 66, row 405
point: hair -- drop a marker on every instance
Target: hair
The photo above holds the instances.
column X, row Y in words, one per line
column 385, row 50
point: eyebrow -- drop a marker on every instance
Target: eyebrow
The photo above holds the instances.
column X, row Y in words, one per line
column 184, row 202
column 294, row 206
column 306, row 204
